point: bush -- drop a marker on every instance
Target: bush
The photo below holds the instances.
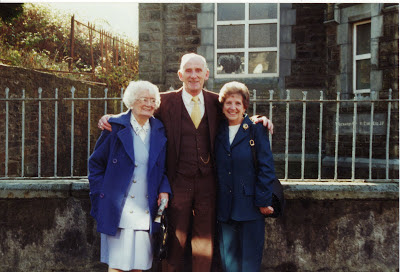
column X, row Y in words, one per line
column 39, row 38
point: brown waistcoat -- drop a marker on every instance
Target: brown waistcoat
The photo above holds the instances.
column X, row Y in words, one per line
column 195, row 147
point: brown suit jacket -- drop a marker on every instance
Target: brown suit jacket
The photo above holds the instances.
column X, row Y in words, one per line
column 170, row 112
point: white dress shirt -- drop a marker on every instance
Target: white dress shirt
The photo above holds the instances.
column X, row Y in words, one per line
column 187, row 100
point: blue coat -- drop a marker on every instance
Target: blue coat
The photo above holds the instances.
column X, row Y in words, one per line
column 111, row 169
column 241, row 190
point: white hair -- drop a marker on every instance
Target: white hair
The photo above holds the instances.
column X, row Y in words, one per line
column 134, row 87
column 186, row 57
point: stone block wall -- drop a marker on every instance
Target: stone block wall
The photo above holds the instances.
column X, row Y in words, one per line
column 18, row 79
column 166, row 32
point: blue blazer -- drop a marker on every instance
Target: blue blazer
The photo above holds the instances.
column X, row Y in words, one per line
column 111, row 169
column 241, row 190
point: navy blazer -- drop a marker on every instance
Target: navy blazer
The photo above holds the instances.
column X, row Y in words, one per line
column 241, row 190
column 111, row 169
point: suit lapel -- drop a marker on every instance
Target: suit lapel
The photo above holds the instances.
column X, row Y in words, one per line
column 175, row 118
column 212, row 120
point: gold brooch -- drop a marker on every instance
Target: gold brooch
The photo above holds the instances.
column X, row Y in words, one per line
column 245, row 126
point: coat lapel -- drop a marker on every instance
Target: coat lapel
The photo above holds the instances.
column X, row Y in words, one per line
column 125, row 135
column 243, row 132
column 157, row 142
column 223, row 136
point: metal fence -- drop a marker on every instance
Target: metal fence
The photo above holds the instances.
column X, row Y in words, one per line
column 312, row 139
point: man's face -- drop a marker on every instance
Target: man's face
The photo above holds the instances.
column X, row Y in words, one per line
column 193, row 75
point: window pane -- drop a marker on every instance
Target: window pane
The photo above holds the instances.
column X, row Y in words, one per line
column 231, row 36
column 263, row 11
column 230, row 63
column 263, row 35
column 363, row 39
column 363, row 72
column 262, row 62
column 230, row 12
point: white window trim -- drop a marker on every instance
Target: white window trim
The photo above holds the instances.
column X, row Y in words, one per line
column 246, row 50
column 358, row 57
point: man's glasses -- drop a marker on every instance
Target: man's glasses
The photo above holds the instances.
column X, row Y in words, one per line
column 147, row 100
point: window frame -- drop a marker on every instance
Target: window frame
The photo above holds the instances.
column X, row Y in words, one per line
column 359, row 57
column 246, row 50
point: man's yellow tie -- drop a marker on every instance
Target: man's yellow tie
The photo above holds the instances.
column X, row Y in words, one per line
column 196, row 114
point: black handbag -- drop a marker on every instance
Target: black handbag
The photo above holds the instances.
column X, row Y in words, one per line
column 160, row 239
column 278, row 198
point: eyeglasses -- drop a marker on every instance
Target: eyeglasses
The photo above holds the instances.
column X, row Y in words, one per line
column 147, row 100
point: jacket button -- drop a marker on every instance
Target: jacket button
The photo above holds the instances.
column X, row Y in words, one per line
column 229, row 173
column 101, row 195
column 136, row 165
column 134, row 181
column 115, row 160
column 229, row 154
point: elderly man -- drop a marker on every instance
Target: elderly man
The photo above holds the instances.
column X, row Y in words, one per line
column 191, row 117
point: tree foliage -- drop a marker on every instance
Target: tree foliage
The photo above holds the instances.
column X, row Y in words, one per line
column 39, row 38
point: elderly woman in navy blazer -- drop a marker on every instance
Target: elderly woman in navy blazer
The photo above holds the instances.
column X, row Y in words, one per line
column 127, row 180
column 244, row 193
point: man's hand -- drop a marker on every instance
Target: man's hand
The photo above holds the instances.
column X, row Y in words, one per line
column 103, row 123
column 266, row 210
column 266, row 122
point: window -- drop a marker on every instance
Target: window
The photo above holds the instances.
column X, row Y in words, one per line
column 246, row 40
column 362, row 57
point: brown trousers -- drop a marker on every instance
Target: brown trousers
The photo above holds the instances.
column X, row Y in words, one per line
column 192, row 205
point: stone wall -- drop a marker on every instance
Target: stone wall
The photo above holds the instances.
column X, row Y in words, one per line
column 166, row 32
column 46, row 227
column 18, row 79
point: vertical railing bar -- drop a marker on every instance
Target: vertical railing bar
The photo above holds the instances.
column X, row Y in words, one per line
column 122, row 96
column 88, row 145
column 55, row 131
column 353, row 145
column 72, row 130
column 321, row 109
column 303, row 135
column 7, row 117
column 105, row 100
column 271, row 96
column 39, row 131
column 388, row 133
column 287, row 135
column 254, row 103
column 337, row 135
column 23, row 135
column 371, row 132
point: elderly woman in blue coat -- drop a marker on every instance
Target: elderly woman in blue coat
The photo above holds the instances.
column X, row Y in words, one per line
column 127, row 180
column 244, row 193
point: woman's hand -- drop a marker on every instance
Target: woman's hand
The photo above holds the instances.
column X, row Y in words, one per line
column 161, row 196
column 103, row 123
column 266, row 210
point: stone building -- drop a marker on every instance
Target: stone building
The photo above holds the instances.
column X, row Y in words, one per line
column 351, row 49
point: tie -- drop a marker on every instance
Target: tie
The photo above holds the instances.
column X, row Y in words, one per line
column 196, row 115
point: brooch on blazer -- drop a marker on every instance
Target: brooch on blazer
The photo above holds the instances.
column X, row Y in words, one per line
column 245, row 126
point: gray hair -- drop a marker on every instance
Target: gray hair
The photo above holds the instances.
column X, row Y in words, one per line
column 134, row 87
column 186, row 57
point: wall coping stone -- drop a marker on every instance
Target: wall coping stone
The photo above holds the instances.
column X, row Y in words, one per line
column 64, row 188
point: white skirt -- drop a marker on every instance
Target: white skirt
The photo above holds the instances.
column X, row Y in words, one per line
column 128, row 249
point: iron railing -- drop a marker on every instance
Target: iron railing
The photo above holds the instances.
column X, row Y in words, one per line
column 308, row 149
